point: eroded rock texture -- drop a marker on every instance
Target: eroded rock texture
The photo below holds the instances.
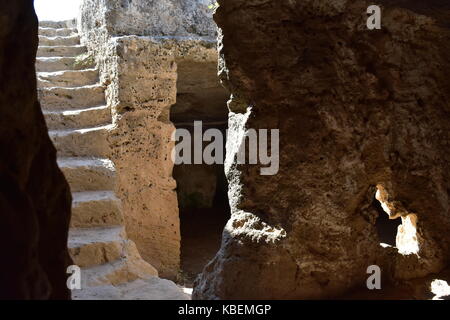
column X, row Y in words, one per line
column 141, row 149
column 144, row 86
column 357, row 110
column 151, row 55
column 34, row 196
column 154, row 17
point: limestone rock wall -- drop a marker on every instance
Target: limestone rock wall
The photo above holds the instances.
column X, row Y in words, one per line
column 138, row 46
column 356, row 110
column 99, row 20
column 141, row 149
column 149, row 17
column 35, row 200
column 143, row 81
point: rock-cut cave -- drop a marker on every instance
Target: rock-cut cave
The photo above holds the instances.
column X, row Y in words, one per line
column 94, row 204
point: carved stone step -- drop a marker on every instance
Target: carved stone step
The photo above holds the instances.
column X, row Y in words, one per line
column 95, row 209
column 72, row 40
column 78, row 118
column 89, row 174
column 60, row 51
column 91, row 142
column 67, row 78
column 121, row 271
column 57, row 24
column 96, row 246
column 141, row 289
column 50, row 64
column 71, row 98
column 54, row 32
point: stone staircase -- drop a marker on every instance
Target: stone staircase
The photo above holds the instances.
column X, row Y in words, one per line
column 78, row 119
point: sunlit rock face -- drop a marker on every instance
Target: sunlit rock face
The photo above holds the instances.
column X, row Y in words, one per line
column 101, row 19
column 35, row 199
column 356, row 109
column 154, row 17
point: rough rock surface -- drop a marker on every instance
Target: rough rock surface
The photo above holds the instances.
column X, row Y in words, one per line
column 141, row 148
column 145, row 75
column 149, row 18
column 34, row 196
column 357, row 110
column 150, row 289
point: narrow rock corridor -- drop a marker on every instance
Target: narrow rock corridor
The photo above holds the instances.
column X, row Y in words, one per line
column 202, row 189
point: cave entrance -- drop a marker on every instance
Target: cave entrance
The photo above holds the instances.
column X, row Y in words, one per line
column 202, row 189
column 202, row 192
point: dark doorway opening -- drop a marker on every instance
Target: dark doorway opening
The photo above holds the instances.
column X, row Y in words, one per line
column 201, row 230
column 386, row 228
column 202, row 189
column 202, row 192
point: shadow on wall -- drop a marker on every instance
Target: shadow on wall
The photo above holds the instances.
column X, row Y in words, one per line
column 35, row 200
